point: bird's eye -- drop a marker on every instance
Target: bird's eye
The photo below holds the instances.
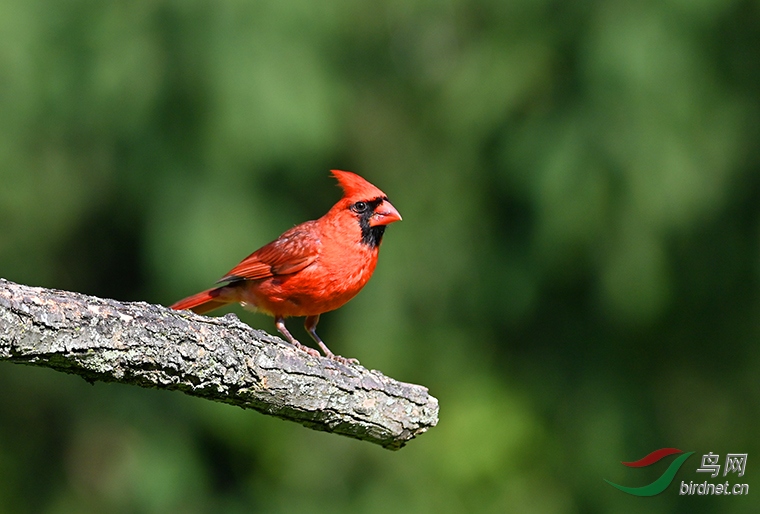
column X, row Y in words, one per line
column 359, row 207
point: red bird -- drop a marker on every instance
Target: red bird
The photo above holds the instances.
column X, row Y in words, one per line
column 312, row 268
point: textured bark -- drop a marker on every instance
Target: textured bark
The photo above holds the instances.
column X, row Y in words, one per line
column 220, row 359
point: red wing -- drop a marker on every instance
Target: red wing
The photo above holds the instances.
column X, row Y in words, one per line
column 290, row 253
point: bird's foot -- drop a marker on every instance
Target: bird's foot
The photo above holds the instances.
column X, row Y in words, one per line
column 279, row 322
column 342, row 360
column 311, row 327
column 337, row 358
column 311, row 351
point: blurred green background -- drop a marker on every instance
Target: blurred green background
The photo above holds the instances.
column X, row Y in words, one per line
column 576, row 278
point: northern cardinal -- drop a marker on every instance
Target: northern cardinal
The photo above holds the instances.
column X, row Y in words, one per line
column 312, row 268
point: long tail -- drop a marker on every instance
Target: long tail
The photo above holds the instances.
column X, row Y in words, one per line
column 204, row 301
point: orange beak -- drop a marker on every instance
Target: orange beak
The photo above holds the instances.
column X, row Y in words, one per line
column 384, row 214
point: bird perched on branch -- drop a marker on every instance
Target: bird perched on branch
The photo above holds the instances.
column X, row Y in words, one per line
column 314, row 267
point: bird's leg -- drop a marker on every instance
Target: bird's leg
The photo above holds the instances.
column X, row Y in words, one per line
column 279, row 322
column 310, row 324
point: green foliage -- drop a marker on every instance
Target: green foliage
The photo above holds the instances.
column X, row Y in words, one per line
column 575, row 278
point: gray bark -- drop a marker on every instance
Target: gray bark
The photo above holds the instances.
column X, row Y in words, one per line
column 221, row 359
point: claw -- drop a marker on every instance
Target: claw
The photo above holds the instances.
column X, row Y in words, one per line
column 343, row 360
column 308, row 349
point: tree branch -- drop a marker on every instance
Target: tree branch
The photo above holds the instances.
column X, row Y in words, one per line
column 221, row 359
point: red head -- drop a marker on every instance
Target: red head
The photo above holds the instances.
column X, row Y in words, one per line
column 360, row 195
column 365, row 202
